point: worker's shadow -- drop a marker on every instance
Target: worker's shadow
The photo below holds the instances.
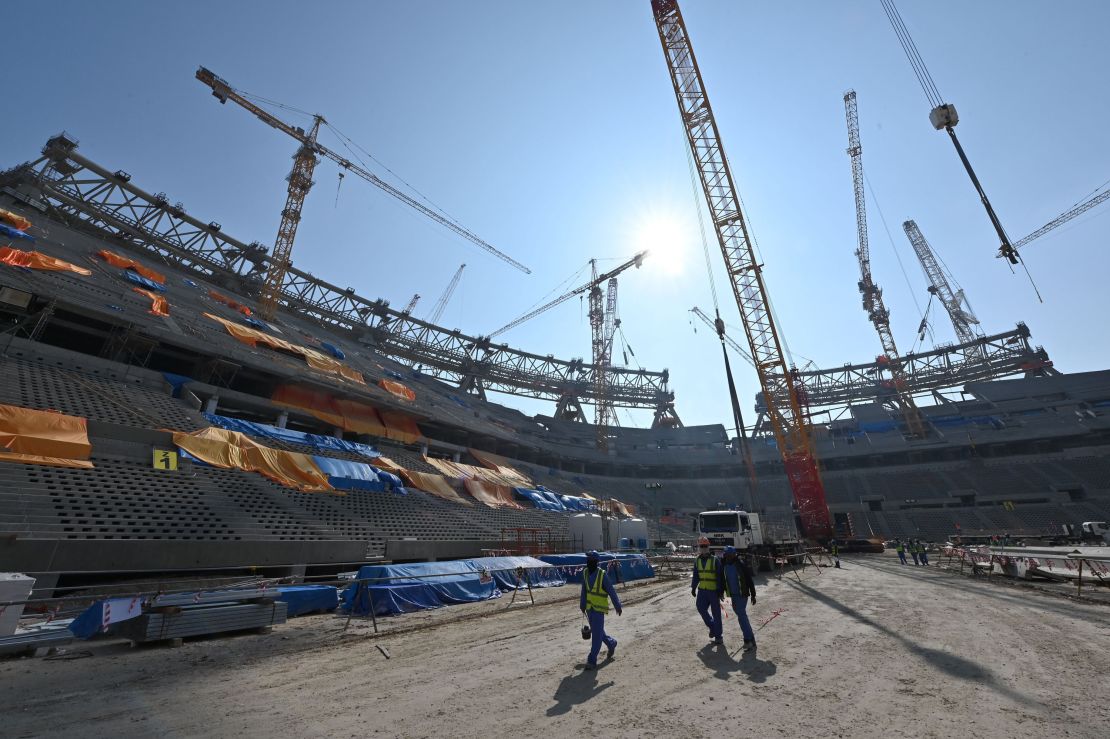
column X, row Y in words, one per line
column 576, row 689
column 723, row 664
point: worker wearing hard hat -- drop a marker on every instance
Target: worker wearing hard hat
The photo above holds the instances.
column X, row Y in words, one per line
column 596, row 592
column 738, row 582
column 901, row 549
column 706, row 587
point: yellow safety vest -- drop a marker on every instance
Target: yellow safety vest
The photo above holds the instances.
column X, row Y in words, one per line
column 707, row 573
column 900, row 549
column 596, row 597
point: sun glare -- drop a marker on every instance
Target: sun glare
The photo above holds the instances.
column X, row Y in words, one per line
column 667, row 236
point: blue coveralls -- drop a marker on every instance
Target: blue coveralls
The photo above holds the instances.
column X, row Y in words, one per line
column 708, row 596
column 902, row 553
column 735, row 575
column 597, row 618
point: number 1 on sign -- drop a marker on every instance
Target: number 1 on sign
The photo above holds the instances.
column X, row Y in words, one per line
column 164, row 459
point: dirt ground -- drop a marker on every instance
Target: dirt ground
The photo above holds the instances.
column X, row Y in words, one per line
column 872, row 649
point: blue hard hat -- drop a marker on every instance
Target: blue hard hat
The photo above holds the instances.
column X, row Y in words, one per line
column 592, row 554
column 729, row 550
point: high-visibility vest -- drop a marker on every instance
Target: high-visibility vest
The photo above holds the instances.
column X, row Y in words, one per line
column 707, row 573
column 596, row 597
column 900, row 548
column 835, row 550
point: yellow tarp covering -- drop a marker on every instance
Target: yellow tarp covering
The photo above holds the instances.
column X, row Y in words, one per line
column 14, row 220
column 232, row 450
column 467, row 472
column 349, row 415
column 502, row 465
column 316, row 360
column 400, row 427
column 159, row 306
column 437, row 485
column 38, row 260
column 43, row 437
column 398, row 389
column 492, row 494
column 127, row 263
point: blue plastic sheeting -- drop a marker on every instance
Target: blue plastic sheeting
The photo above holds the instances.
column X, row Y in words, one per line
column 142, row 281
column 464, row 581
column 346, row 475
column 394, row 374
column 97, row 617
column 189, row 282
column 317, row 441
column 392, row 481
column 628, row 566
column 303, row 599
column 333, row 350
column 877, row 427
column 459, row 400
column 178, row 382
column 540, row 500
column 14, row 233
column 252, row 321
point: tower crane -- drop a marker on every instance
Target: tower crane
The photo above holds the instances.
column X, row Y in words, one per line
column 871, row 293
column 412, row 304
column 300, row 182
column 944, row 287
column 788, row 420
column 943, row 116
column 441, row 304
column 725, row 337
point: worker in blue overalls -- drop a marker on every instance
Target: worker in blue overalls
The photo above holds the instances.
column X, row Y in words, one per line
column 738, row 582
column 596, row 592
column 706, row 587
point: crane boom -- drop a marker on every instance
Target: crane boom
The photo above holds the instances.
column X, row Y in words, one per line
column 602, row 327
column 412, row 304
column 788, row 421
column 299, row 186
column 441, row 304
column 724, row 337
column 871, row 293
column 635, row 261
column 1063, row 218
column 952, row 298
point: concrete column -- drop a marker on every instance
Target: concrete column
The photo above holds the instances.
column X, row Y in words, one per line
column 211, row 404
column 283, row 419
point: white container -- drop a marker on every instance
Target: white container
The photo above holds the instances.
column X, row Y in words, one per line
column 632, row 529
column 13, row 586
column 586, row 528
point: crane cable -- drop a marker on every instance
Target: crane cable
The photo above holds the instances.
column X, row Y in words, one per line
column 701, row 223
column 920, row 70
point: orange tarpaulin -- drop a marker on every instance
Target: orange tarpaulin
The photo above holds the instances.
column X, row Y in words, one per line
column 232, row 450
column 38, row 260
column 229, row 302
column 127, row 263
column 349, row 415
column 159, row 306
column 43, row 437
column 435, row 484
column 501, row 465
column 492, row 494
column 316, row 360
column 467, row 472
column 400, row 427
column 14, row 220
column 401, row 391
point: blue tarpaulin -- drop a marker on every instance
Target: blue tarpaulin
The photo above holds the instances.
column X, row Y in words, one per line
column 333, row 350
column 178, row 382
column 346, row 475
column 14, row 233
column 252, row 321
column 465, row 581
column 391, row 480
column 628, row 566
column 303, row 599
column 539, row 499
column 317, row 441
column 138, row 279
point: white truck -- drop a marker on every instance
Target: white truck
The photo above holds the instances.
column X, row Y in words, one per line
column 748, row 534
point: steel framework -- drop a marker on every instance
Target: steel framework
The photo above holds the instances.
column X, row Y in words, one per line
column 964, row 322
column 85, row 195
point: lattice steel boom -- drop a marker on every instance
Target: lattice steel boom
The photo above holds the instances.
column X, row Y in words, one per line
column 952, row 298
column 784, row 410
column 871, row 293
column 1064, row 217
column 445, row 298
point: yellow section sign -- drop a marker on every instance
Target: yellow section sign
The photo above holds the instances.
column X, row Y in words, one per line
column 164, row 459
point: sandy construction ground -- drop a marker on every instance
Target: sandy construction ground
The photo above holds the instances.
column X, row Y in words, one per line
column 873, row 649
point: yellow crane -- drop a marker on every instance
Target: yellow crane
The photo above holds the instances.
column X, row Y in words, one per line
column 300, row 181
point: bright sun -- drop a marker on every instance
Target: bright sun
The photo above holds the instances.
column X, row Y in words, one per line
column 666, row 236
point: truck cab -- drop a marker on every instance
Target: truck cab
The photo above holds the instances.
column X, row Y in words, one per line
column 729, row 528
column 1095, row 530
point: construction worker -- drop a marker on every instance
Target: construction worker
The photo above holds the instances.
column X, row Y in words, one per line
column 705, row 586
column 596, row 592
column 922, row 554
column 738, row 582
column 901, row 549
column 913, row 551
column 834, row 550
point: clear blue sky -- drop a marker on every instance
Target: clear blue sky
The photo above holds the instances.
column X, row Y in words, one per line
column 550, row 129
